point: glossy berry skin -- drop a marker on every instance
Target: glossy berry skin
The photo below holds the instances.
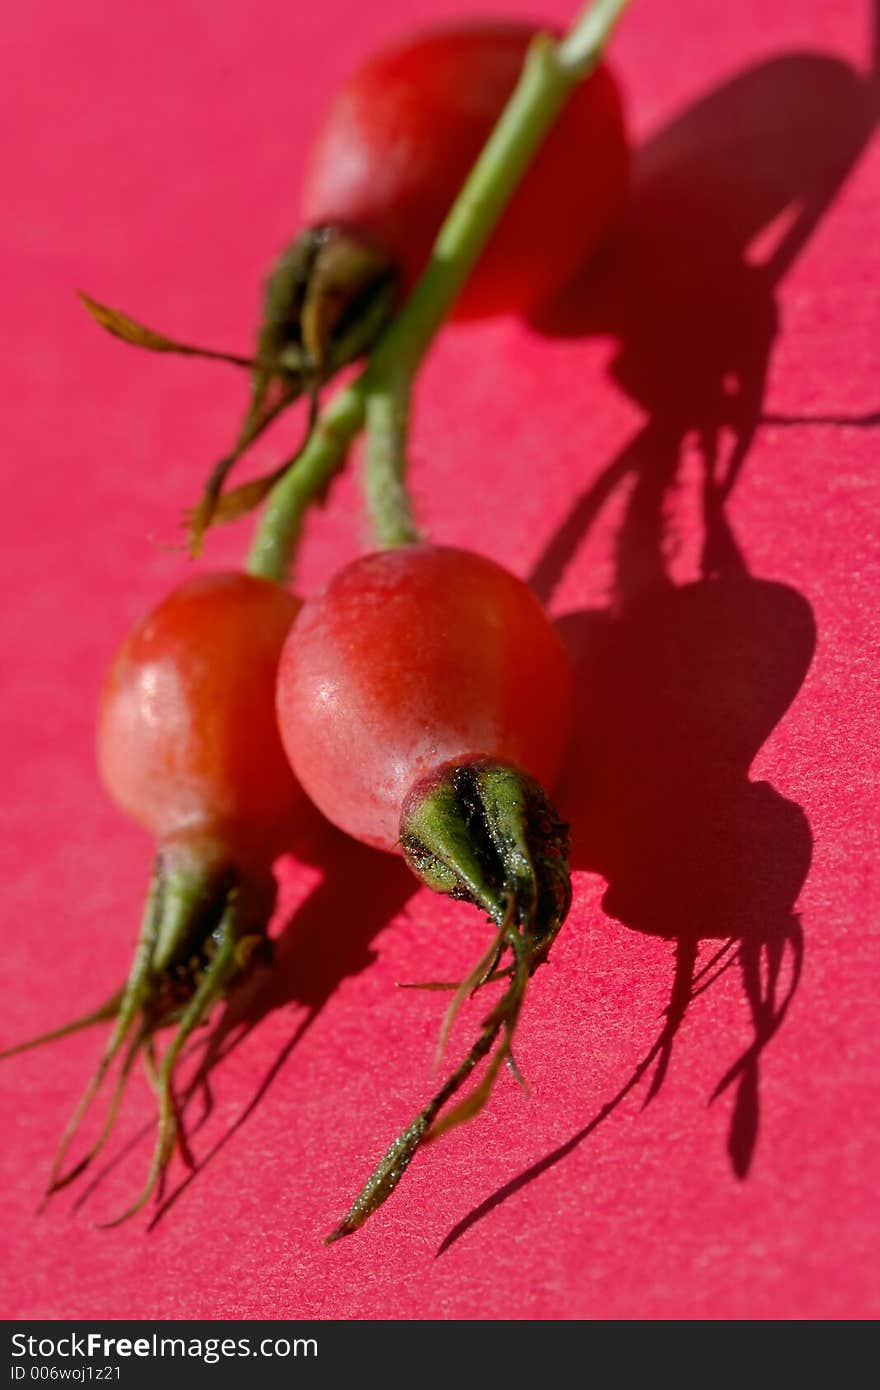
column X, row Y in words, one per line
column 404, row 131
column 186, row 729
column 409, row 659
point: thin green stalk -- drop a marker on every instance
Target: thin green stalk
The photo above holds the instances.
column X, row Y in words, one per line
column 381, row 394
column 388, row 502
column 274, row 545
column 550, row 74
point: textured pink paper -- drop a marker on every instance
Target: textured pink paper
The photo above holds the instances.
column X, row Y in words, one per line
column 724, row 779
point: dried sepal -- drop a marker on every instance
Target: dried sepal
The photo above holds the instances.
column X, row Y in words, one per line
column 137, row 334
column 218, row 506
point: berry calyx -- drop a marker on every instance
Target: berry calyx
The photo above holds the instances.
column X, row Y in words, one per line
column 205, row 916
column 484, row 832
column 326, row 300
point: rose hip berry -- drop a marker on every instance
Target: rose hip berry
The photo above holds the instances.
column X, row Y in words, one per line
column 188, row 746
column 411, row 658
column 402, row 133
column 388, row 163
column 186, row 734
column 424, row 699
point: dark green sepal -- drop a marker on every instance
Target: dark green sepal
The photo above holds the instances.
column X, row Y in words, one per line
column 483, row 831
column 206, row 911
column 327, row 299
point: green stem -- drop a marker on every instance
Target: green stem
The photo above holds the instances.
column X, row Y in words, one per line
column 381, row 393
column 271, row 554
column 550, row 74
column 388, row 502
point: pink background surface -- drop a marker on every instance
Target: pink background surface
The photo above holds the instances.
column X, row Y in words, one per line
column 724, row 779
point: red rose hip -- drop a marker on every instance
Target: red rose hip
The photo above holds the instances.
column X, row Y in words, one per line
column 403, row 132
column 411, row 658
column 189, row 747
column 423, row 699
column 187, row 738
